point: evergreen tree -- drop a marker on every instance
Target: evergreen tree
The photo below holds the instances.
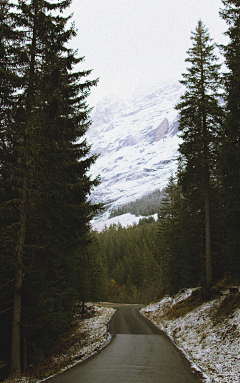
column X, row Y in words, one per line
column 94, row 273
column 230, row 153
column 44, row 147
column 119, row 273
column 200, row 121
column 11, row 81
column 170, row 224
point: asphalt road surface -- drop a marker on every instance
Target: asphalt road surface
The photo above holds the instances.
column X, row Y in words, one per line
column 138, row 353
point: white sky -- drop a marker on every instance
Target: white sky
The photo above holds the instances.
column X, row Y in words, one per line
column 132, row 43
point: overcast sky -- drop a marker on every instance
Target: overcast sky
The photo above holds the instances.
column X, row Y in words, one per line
column 132, row 43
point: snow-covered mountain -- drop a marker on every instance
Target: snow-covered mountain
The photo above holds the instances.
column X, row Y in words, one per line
column 138, row 142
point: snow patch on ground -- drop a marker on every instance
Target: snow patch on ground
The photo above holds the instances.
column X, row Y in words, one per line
column 97, row 337
column 211, row 347
column 95, row 329
column 124, row 220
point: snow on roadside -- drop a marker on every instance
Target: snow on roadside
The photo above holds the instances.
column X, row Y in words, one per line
column 97, row 336
column 214, row 347
column 94, row 330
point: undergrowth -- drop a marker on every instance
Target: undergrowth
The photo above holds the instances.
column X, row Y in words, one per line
column 227, row 307
column 185, row 306
column 225, row 310
column 67, row 346
column 62, row 356
column 63, row 353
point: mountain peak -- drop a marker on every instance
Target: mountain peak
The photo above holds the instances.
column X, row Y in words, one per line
column 138, row 142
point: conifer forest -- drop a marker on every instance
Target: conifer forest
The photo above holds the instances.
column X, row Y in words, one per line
column 50, row 258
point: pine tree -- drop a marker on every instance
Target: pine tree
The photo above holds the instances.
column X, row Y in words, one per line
column 49, row 158
column 170, row 224
column 200, row 121
column 11, row 80
column 96, row 272
column 230, row 153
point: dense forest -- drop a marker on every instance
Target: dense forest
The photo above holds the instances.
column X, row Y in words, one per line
column 49, row 257
column 131, row 259
column 148, row 204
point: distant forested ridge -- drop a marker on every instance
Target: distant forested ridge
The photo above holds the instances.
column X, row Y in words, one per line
column 131, row 259
column 148, row 204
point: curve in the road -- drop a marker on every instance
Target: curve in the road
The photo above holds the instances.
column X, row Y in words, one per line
column 128, row 320
column 138, row 353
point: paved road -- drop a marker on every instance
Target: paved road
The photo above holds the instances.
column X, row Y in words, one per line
column 138, row 353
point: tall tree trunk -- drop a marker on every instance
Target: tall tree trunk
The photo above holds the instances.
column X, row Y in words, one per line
column 207, row 206
column 15, row 356
column 206, row 179
column 25, row 357
column 208, row 234
column 15, row 362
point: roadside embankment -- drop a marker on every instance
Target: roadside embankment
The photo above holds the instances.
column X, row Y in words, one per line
column 207, row 332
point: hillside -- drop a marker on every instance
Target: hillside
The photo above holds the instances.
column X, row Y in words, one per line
column 207, row 332
column 148, row 204
column 131, row 212
column 137, row 142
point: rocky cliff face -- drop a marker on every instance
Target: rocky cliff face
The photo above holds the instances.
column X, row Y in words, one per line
column 162, row 129
column 138, row 142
